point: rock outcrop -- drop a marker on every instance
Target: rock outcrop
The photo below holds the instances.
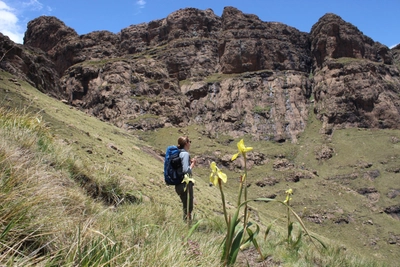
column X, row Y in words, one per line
column 355, row 81
column 235, row 74
column 29, row 64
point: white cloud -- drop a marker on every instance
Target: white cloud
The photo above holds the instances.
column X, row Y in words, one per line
column 33, row 5
column 13, row 17
column 141, row 3
column 9, row 24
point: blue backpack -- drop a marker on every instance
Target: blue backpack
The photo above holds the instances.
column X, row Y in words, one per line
column 173, row 174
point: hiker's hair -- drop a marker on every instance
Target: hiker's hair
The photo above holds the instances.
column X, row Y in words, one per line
column 182, row 141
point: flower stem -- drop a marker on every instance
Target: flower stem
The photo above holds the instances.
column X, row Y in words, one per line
column 288, row 221
column 240, row 191
column 245, row 195
column 223, row 201
column 187, row 204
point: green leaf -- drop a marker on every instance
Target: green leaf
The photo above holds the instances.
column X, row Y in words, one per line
column 236, row 246
column 289, row 232
column 268, row 230
column 192, row 229
column 298, row 240
column 320, row 241
column 252, row 237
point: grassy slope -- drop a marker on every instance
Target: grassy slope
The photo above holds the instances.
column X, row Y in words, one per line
column 108, row 153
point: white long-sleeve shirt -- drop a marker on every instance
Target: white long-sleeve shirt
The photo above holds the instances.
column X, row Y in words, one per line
column 185, row 158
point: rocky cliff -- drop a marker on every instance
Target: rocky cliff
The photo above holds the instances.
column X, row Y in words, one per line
column 235, row 74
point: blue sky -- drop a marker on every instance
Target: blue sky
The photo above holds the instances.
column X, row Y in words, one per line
column 378, row 19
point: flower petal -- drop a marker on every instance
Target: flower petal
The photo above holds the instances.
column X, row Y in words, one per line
column 222, row 176
column 213, row 174
column 214, row 179
column 241, row 146
column 247, row 149
column 187, row 179
column 289, row 191
column 234, row 156
column 213, row 166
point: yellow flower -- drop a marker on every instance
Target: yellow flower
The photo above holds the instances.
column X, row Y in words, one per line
column 216, row 174
column 186, row 180
column 288, row 192
column 242, row 150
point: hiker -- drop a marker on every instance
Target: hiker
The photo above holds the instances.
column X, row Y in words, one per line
column 187, row 166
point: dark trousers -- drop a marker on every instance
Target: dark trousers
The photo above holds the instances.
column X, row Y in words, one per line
column 185, row 197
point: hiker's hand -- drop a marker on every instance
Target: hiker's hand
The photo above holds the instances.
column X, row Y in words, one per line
column 193, row 162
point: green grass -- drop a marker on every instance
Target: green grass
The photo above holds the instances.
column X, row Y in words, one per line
column 261, row 110
column 218, row 77
column 66, row 178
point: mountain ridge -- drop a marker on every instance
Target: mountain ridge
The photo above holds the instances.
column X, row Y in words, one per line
column 242, row 74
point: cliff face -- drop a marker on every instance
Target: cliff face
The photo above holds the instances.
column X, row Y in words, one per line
column 356, row 83
column 235, row 74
